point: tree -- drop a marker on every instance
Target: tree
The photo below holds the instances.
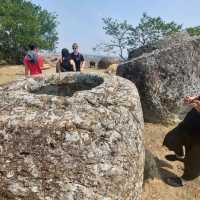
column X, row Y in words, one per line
column 194, row 30
column 150, row 30
column 119, row 32
column 125, row 36
column 22, row 23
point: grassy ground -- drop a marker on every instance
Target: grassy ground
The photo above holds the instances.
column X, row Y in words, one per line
column 12, row 72
column 155, row 189
column 9, row 73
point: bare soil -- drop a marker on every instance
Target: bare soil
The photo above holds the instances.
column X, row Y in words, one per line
column 157, row 189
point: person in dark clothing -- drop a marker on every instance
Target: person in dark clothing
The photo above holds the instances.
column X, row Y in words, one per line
column 186, row 136
column 77, row 58
column 65, row 64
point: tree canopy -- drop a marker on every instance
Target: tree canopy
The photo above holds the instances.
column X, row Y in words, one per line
column 23, row 23
column 125, row 36
column 194, row 31
column 151, row 29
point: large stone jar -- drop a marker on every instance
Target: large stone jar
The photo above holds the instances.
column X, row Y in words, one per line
column 70, row 137
column 164, row 76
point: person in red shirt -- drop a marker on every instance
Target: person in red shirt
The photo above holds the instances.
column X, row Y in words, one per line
column 33, row 62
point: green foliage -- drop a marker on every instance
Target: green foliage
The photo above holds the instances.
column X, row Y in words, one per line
column 125, row 36
column 151, row 29
column 22, row 23
column 194, row 31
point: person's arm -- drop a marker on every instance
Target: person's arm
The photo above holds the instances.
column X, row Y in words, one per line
column 40, row 63
column 190, row 99
column 26, row 69
column 196, row 104
column 59, row 65
column 73, row 64
column 82, row 64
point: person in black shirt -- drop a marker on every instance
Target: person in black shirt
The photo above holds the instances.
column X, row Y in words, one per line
column 184, row 140
column 77, row 58
column 65, row 63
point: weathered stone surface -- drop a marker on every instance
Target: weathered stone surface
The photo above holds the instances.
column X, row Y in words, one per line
column 151, row 168
column 141, row 50
column 164, row 76
column 77, row 136
column 112, row 69
column 105, row 62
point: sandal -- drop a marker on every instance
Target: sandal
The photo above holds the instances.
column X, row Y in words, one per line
column 173, row 157
column 175, row 181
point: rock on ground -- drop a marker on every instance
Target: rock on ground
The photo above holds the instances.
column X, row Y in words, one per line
column 165, row 75
column 151, row 167
column 105, row 62
column 70, row 137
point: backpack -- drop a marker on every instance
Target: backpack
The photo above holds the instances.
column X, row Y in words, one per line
column 65, row 62
column 32, row 57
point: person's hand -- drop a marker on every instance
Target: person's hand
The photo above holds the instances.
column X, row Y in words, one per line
column 196, row 104
column 73, row 64
column 189, row 99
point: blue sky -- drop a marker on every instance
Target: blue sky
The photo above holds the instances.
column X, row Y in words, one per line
column 80, row 20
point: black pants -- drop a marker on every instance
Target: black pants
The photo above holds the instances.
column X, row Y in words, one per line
column 187, row 134
column 192, row 162
column 78, row 69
